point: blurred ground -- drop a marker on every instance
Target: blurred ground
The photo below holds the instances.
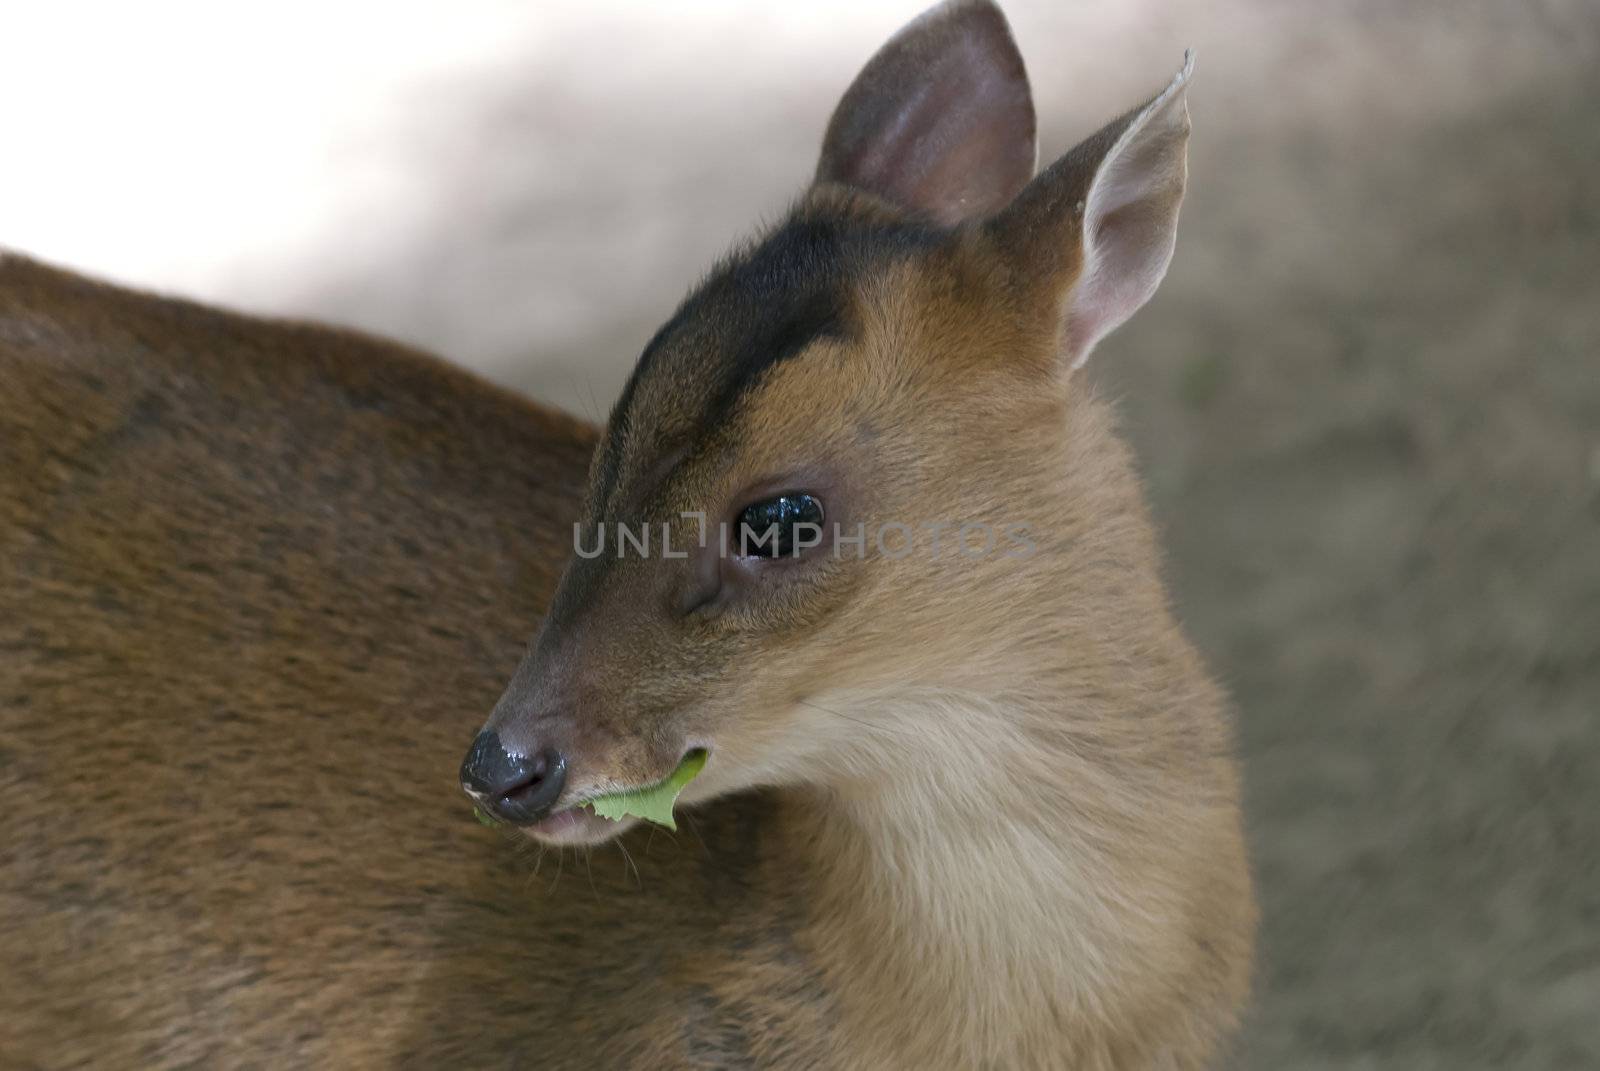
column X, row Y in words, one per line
column 1367, row 399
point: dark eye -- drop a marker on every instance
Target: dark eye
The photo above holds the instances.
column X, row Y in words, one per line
column 780, row 527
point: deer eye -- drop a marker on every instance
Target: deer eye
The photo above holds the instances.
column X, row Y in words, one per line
column 780, row 527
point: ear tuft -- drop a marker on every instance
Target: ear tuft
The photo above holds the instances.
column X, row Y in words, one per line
column 940, row 122
column 1101, row 222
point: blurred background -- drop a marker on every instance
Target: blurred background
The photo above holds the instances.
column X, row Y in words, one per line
column 1367, row 399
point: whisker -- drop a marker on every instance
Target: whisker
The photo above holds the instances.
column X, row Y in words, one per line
column 561, row 859
column 637, row 877
column 588, row 865
column 594, row 404
column 689, row 823
column 891, row 730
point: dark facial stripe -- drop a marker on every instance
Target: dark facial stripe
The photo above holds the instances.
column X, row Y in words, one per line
column 753, row 312
column 610, row 450
column 817, row 315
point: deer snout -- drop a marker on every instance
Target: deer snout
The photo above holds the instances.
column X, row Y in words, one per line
column 519, row 789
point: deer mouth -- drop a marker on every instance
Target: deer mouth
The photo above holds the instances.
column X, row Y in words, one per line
column 598, row 814
column 574, row 825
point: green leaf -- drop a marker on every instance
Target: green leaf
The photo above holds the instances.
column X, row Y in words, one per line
column 654, row 802
column 485, row 820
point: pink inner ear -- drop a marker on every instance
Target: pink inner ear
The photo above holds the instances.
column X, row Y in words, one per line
column 940, row 122
column 972, row 162
column 1129, row 228
column 1125, row 259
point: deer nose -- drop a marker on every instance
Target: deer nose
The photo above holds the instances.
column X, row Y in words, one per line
column 519, row 789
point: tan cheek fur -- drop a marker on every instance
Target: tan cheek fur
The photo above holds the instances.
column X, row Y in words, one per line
column 1018, row 766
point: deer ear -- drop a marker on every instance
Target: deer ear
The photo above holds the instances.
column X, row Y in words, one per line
column 940, row 122
column 1098, row 226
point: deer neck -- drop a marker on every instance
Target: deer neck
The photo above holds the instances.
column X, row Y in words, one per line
column 1006, row 860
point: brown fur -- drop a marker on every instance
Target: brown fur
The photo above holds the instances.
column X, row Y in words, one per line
column 263, row 578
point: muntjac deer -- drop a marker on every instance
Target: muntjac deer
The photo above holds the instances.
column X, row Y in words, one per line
column 968, row 798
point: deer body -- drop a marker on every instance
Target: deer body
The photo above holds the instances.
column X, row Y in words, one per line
column 259, row 577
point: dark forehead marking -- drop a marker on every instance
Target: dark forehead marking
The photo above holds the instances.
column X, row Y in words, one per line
column 758, row 308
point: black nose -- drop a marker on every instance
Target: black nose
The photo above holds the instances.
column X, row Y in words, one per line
column 519, row 789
